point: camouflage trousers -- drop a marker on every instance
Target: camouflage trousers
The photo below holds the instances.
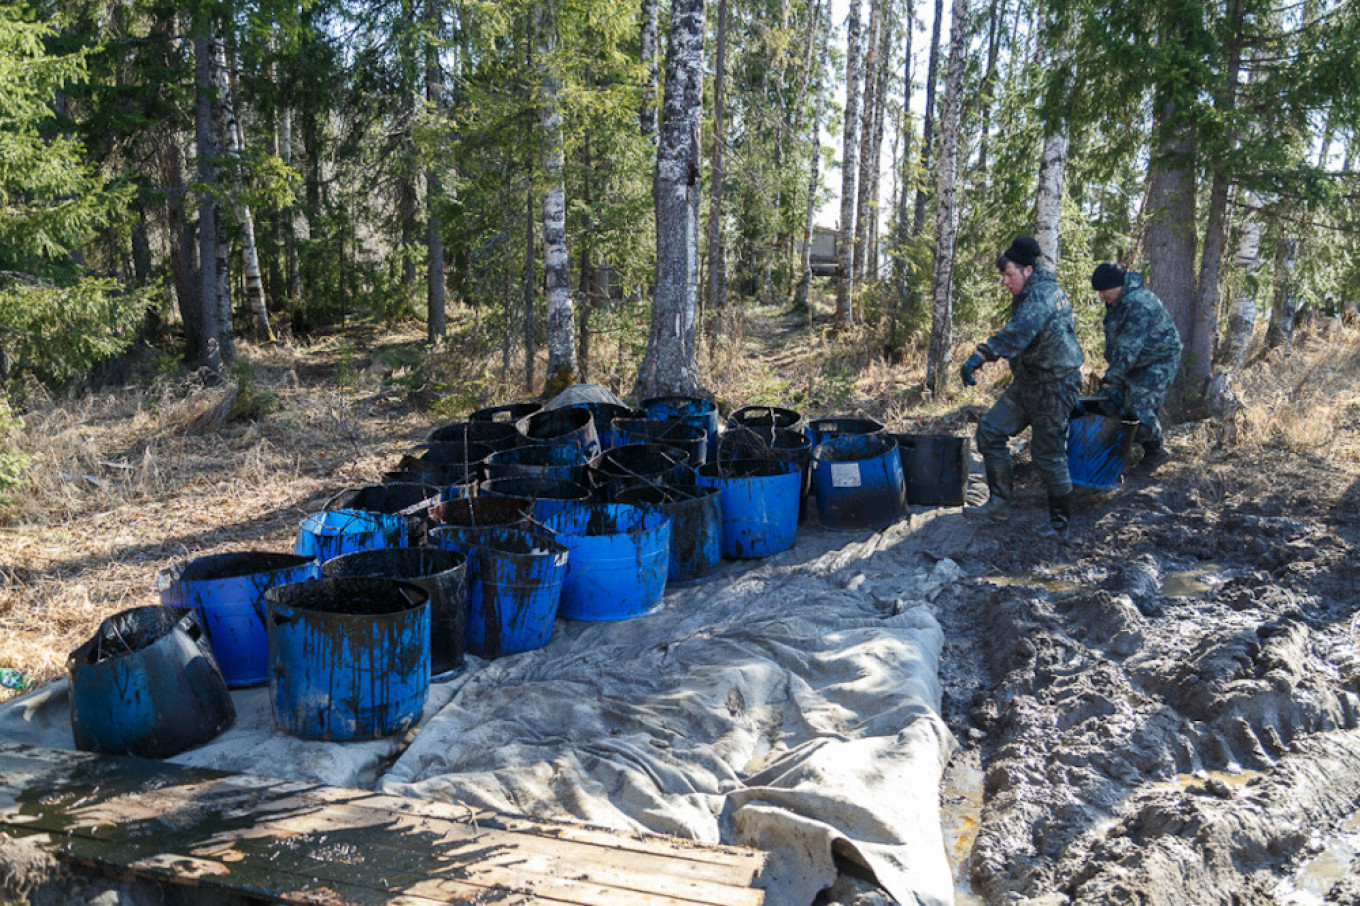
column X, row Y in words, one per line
column 1144, row 392
column 1044, row 409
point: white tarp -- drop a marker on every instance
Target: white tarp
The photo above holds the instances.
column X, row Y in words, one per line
column 789, row 704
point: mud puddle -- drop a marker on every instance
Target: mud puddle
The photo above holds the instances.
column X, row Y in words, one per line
column 1335, row 861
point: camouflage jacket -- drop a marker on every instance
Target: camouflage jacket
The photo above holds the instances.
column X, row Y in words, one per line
column 1138, row 332
column 1040, row 340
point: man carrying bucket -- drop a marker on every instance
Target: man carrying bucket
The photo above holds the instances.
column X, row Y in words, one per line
column 1142, row 350
column 1040, row 344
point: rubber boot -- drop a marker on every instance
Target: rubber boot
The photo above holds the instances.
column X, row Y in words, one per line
column 1001, row 485
column 1059, row 516
column 1155, row 456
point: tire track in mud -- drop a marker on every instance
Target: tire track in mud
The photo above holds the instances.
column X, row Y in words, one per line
column 1143, row 747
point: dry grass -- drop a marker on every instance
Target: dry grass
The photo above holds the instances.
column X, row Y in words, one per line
column 124, row 483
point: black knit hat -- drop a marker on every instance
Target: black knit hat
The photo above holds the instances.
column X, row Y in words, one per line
column 1024, row 251
column 1107, row 276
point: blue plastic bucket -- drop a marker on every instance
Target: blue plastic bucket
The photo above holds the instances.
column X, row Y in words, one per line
column 547, row 496
column 146, row 684
column 565, row 463
column 619, row 557
column 443, row 575
column 1097, row 447
column 226, row 593
column 349, row 659
column 510, row 412
column 603, row 415
column 409, row 500
column 573, row 428
column 759, row 505
column 496, row 435
column 765, row 417
column 858, row 482
column 696, row 526
column 935, row 466
column 334, row 532
column 635, row 465
column 691, row 410
column 823, row 429
column 515, row 587
column 681, row 435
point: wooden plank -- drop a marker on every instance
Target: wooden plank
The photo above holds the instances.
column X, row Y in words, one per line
column 190, row 825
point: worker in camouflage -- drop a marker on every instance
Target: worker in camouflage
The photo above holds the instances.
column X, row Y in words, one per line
column 1142, row 352
column 1040, row 344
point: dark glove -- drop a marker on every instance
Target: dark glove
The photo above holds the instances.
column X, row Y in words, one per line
column 975, row 361
column 1113, row 404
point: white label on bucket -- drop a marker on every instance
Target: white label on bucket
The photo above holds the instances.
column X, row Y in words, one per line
column 845, row 474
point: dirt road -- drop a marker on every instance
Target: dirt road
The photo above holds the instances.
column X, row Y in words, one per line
column 1164, row 708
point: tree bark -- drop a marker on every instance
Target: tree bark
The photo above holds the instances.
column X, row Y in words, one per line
column 994, row 16
column 530, row 281
column 800, row 301
column 1171, row 239
column 885, row 40
column 647, row 111
column 1284, row 308
column 716, row 295
column 928, row 123
column 436, row 311
column 1232, row 351
column 668, row 365
column 561, row 331
column 250, row 253
column 849, row 170
column 867, row 164
column 904, row 176
column 941, row 285
column 210, row 352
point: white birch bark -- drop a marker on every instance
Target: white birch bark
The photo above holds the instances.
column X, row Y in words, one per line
column 668, row 366
column 946, row 226
column 561, row 328
column 849, row 171
column 800, row 300
column 647, row 113
column 1242, row 317
column 250, row 254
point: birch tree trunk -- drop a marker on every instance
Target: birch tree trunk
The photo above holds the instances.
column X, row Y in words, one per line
column 875, row 147
column 647, row 111
column 849, row 170
column 918, row 221
column 867, row 164
column 994, row 16
column 561, row 328
column 436, row 314
column 1284, row 308
column 904, row 176
column 210, row 351
column 1048, row 199
column 942, row 281
column 1232, row 351
column 668, row 366
column 717, row 277
column 250, row 253
column 800, row 300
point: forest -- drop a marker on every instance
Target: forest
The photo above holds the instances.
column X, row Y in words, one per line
column 593, row 178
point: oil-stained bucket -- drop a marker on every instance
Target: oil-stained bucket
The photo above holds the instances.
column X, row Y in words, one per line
column 515, row 587
column 226, row 593
column 572, row 428
column 349, row 659
column 146, row 684
column 765, row 417
column 496, row 435
column 483, row 511
column 1097, row 448
column 692, row 410
column 759, row 505
column 331, row 533
column 858, row 482
column 443, row 575
column 603, row 415
column 696, row 526
column 618, row 560
column 453, row 481
column 935, row 466
column 547, row 496
column 565, row 463
column 693, row 439
column 409, row 500
column 634, row 465
column 510, row 412
column 823, row 429
column 455, row 453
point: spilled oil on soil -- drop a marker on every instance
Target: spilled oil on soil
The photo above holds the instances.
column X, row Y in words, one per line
column 1163, row 709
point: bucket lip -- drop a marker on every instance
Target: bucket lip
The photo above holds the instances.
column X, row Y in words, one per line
column 574, row 522
column 582, row 419
column 429, row 492
column 178, row 615
column 230, row 565
column 493, row 430
column 776, row 414
column 855, row 447
column 320, row 522
column 456, row 561
column 771, row 468
column 274, row 597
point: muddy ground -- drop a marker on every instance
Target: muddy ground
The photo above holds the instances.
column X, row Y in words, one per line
column 1163, row 709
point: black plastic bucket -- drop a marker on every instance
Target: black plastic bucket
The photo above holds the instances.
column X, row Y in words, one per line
column 410, row 500
column 443, row 575
column 573, row 428
column 667, row 432
column 935, row 466
column 496, row 435
column 765, row 417
column 639, row 465
column 566, row 463
column 455, row 452
column 146, row 684
column 603, row 415
column 548, row 496
column 696, row 526
column 475, row 512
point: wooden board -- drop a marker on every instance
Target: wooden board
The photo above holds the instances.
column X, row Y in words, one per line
column 295, row 842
